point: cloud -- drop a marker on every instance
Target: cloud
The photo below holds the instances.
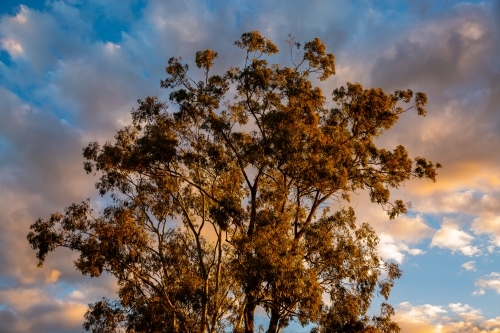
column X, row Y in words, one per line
column 40, row 173
column 491, row 281
column 35, row 310
column 484, row 207
column 469, row 265
column 61, row 90
column 478, row 292
column 398, row 238
column 439, row 53
column 488, row 224
column 39, row 35
column 466, row 312
column 53, row 276
column 421, row 313
column 452, row 57
column 392, row 249
column 470, row 201
column 14, row 48
column 66, row 84
column 452, row 238
column 453, row 318
column 409, row 229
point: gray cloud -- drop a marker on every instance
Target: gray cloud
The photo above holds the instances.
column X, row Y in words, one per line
column 42, row 313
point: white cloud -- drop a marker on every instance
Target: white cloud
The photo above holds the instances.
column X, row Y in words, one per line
column 399, row 237
column 452, row 238
column 390, row 248
column 478, row 292
column 76, row 294
column 111, row 48
column 469, row 265
column 390, row 251
column 21, row 16
column 13, row 47
column 454, row 318
column 488, row 224
column 491, row 281
column 422, row 313
column 466, row 312
column 470, row 250
column 43, row 38
column 409, row 229
column 415, row 252
column 457, row 201
column 485, row 206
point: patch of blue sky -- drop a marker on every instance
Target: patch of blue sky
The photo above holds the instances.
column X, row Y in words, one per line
column 11, row 7
column 437, row 278
column 216, row 5
column 109, row 30
column 64, row 114
column 4, row 307
column 62, row 289
column 427, row 8
column 27, row 93
column 436, row 220
column 394, row 9
column 5, row 58
column 432, row 220
column 487, row 303
column 31, row 95
column 244, row 9
column 137, row 7
column 63, row 110
column 212, row 5
column 108, row 27
column 7, row 282
column 472, row 91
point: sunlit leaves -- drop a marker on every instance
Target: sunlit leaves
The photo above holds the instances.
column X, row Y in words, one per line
column 224, row 204
column 255, row 42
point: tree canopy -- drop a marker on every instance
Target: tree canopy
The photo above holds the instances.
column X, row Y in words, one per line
column 223, row 204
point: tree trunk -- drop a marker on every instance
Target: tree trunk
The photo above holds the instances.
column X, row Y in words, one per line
column 273, row 324
column 249, row 314
column 204, row 322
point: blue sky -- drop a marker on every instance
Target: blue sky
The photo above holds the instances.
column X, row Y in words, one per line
column 71, row 70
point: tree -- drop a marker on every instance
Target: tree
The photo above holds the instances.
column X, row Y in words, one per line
column 223, row 205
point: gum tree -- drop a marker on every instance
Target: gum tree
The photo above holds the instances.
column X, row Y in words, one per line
column 224, row 205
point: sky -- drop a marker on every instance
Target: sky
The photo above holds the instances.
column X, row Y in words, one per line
column 71, row 71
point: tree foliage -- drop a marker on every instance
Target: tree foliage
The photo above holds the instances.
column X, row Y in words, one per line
column 223, row 205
